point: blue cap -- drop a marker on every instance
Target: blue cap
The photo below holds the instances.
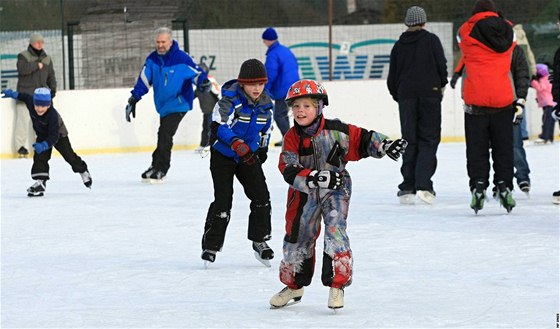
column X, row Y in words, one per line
column 42, row 97
column 270, row 34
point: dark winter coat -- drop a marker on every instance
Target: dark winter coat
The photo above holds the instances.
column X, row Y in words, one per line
column 418, row 66
column 48, row 127
column 520, row 72
column 238, row 117
column 30, row 77
column 282, row 70
column 556, row 77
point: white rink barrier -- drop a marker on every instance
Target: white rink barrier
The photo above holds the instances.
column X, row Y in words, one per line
column 96, row 118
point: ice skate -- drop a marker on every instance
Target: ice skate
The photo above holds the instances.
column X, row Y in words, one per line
column 506, row 199
column 157, row 177
column 263, row 253
column 146, row 174
column 37, row 189
column 406, row 197
column 286, row 297
column 478, row 197
column 86, row 178
column 203, row 151
column 336, row 298
column 22, row 153
column 525, row 187
column 556, row 197
column 209, row 257
column 427, row 196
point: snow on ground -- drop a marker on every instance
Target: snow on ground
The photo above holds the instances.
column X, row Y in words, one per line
column 127, row 254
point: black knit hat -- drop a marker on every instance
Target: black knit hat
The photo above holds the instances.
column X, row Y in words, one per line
column 484, row 5
column 252, row 71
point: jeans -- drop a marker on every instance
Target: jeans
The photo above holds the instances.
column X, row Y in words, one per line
column 519, row 157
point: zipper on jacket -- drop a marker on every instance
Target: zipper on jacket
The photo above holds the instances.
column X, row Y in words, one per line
column 317, row 167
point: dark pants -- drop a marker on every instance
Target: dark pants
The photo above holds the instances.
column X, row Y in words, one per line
column 484, row 132
column 40, row 168
column 519, row 157
column 281, row 116
column 421, row 127
column 252, row 179
column 161, row 158
column 547, row 124
column 205, row 134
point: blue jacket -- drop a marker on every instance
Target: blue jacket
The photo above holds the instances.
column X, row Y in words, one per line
column 282, row 70
column 172, row 76
column 238, row 117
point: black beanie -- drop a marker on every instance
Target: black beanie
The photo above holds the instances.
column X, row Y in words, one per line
column 484, row 5
column 252, row 71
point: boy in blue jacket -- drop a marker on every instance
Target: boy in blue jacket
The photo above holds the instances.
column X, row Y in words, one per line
column 51, row 132
column 240, row 134
column 171, row 72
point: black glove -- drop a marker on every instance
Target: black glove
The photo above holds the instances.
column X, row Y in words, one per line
column 454, row 79
column 244, row 152
column 204, row 86
column 262, row 153
column 556, row 112
column 324, row 179
column 519, row 107
column 131, row 108
column 394, row 149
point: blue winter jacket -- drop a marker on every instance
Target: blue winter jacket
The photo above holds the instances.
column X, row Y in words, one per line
column 282, row 70
column 237, row 117
column 172, row 76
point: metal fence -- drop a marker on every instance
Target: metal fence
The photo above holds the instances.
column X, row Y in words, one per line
column 106, row 42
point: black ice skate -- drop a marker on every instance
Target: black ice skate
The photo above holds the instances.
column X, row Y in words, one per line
column 22, row 153
column 506, row 198
column 525, row 187
column 478, row 196
column 37, row 189
column 263, row 253
column 209, row 256
column 146, row 174
column 86, row 178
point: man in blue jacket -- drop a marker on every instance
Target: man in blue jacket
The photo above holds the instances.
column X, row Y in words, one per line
column 171, row 72
column 282, row 70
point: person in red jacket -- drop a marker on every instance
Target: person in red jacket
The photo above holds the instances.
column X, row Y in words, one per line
column 313, row 161
column 486, row 41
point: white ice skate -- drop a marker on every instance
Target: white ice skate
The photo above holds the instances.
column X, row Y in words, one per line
column 336, row 298
column 286, row 297
column 426, row 196
column 406, row 197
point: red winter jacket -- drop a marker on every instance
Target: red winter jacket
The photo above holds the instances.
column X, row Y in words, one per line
column 487, row 41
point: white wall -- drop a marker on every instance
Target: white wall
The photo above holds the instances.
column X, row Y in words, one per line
column 96, row 121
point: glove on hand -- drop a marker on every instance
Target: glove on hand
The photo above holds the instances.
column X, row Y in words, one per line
column 262, row 154
column 204, row 86
column 519, row 107
column 394, row 149
column 8, row 93
column 454, row 79
column 556, row 112
column 41, row 147
column 131, row 108
column 324, row 179
column 244, row 152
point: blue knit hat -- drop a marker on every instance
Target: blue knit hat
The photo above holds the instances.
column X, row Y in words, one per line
column 270, row 34
column 42, row 97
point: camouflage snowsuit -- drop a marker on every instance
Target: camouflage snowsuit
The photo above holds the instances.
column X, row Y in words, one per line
column 334, row 144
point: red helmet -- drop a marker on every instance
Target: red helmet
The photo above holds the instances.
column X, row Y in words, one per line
column 307, row 88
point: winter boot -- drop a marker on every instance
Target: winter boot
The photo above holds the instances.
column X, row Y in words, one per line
column 506, row 199
column 336, row 298
column 263, row 253
column 37, row 189
column 478, row 196
column 286, row 296
column 86, row 178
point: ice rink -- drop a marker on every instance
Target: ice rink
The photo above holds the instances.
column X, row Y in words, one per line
column 127, row 254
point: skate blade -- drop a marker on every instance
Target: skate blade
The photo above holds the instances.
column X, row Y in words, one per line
column 207, row 264
column 296, row 300
column 155, row 181
column 265, row 262
column 334, row 308
column 34, row 195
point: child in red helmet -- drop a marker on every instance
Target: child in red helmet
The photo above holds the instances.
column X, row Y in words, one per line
column 313, row 161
